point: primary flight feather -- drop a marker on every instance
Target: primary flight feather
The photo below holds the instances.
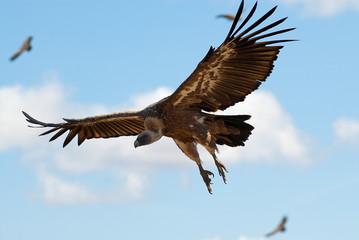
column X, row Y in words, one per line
column 225, row 76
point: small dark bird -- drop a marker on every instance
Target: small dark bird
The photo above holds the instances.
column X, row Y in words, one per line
column 225, row 76
column 25, row 47
column 228, row 16
column 280, row 227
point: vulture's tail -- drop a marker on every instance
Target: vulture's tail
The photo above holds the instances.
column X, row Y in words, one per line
column 231, row 130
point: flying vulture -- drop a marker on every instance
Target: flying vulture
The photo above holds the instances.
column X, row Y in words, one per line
column 280, row 227
column 25, row 47
column 225, row 76
column 228, row 16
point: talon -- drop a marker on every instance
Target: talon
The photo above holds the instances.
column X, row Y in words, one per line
column 220, row 167
column 206, row 177
column 209, row 173
column 209, row 189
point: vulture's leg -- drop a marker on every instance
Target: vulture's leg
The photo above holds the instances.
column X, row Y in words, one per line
column 190, row 149
column 210, row 144
column 205, row 176
column 220, row 167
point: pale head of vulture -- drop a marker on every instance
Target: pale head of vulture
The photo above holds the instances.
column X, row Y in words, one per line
column 147, row 137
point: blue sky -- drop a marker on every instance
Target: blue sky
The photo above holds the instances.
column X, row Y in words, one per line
column 90, row 58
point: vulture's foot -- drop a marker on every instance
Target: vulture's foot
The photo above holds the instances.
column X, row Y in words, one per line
column 220, row 167
column 205, row 176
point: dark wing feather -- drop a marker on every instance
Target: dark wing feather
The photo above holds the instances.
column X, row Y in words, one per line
column 102, row 126
column 228, row 74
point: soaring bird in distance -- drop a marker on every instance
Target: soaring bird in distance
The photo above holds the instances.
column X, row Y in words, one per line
column 228, row 16
column 225, row 76
column 25, row 47
column 280, row 227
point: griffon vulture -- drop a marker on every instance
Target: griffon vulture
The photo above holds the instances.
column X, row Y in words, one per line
column 228, row 16
column 225, row 76
column 25, row 47
column 280, row 228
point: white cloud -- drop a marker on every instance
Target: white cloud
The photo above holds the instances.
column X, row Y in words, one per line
column 60, row 191
column 57, row 190
column 347, row 130
column 275, row 138
column 143, row 100
column 321, row 8
column 48, row 100
column 15, row 98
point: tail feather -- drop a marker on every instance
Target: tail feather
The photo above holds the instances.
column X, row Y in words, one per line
column 231, row 130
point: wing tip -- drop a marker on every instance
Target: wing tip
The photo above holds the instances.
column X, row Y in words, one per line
column 31, row 120
column 235, row 21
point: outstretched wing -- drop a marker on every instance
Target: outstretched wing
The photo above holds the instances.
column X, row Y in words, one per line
column 282, row 223
column 26, row 45
column 227, row 75
column 13, row 57
column 271, row 233
column 28, row 40
column 101, row 126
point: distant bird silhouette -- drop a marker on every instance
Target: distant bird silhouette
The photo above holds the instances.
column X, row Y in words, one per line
column 228, row 16
column 280, row 227
column 25, row 47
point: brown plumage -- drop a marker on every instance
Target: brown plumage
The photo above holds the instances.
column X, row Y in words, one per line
column 25, row 47
column 225, row 76
column 228, row 16
column 280, row 228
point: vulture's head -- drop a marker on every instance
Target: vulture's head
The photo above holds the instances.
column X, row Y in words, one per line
column 147, row 137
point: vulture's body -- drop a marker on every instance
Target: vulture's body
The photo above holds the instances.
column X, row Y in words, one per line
column 224, row 77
